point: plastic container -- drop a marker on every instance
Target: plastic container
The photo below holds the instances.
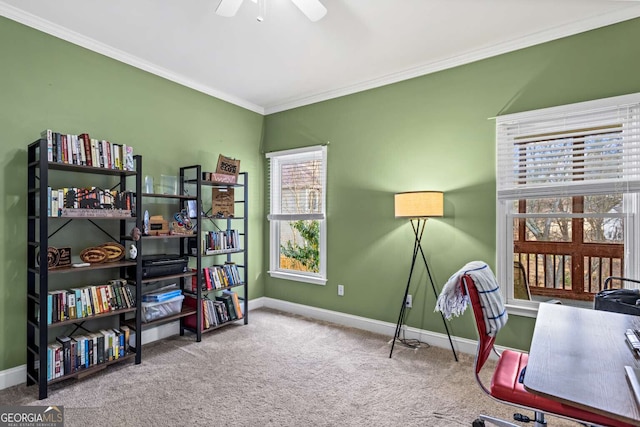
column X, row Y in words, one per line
column 168, row 184
column 157, row 310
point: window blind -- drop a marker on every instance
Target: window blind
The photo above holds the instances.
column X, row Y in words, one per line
column 298, row 184
column 579, row 149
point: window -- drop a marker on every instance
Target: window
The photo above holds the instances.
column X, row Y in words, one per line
column 567, row 200
column 297, row 214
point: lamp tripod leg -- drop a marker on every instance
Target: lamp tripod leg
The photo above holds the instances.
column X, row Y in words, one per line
column 416, row 245
column 401, row 315
column 444, row 322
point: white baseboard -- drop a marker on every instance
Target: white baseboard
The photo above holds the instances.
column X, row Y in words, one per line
column 14, row 376
column 435, row 339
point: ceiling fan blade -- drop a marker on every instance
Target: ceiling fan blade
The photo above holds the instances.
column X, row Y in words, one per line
column 312, row 8
column 228, row 8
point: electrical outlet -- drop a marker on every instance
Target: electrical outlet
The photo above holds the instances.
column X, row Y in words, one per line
column 341, row 290
column 409, row 301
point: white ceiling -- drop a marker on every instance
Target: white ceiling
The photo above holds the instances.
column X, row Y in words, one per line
column 288, row 61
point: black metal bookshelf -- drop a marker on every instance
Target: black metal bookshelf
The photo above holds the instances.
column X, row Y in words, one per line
column 40, row 229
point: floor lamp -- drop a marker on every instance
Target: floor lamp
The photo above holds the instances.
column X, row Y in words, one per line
column 418, row 206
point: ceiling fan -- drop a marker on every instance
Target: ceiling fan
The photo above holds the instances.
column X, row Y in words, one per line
column 313, row 9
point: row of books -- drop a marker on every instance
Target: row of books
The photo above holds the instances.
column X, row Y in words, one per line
column 86, row 151
column 78, row 303
column 218, row 277
column 70, row 354
column 58, row 200
column 223, row 308
column 216, row 241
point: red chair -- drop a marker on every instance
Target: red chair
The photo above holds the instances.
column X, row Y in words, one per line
column 506, row 382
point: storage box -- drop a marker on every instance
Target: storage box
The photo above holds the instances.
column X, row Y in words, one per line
column 161, row 296
column 157, row 310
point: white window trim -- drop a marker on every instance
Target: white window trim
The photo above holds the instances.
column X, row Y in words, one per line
column 274, row 271
column 504, row 214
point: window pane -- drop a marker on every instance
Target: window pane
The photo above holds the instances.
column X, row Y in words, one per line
column 301, row 188
column 597, row 269
column 299, row 244
column 546, row 271
column 549, row 229
column 550, row 205
column 608, row 229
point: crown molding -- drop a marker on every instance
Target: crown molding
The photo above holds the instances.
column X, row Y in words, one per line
column 462, row 59
column 58, row 31
column 66, row 34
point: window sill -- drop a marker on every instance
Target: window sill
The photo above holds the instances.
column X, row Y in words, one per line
column 530, row 308
column 298, row 277
column 522, row 310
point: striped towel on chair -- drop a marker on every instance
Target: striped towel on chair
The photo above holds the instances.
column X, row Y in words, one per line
column 452, row 301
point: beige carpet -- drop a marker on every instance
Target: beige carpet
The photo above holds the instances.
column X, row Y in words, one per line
column 279, row 370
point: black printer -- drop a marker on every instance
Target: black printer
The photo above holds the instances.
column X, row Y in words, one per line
column 161, row 265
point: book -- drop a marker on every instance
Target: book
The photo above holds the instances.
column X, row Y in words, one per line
column 82, row 155
column 49, row 307
column 86, row 301
column 96, row 301
column 80, row 344
column 100, row 347
column 105, row 299
column 56, row 360
column 128, row 158
column 59, row 148
column 226, row 299
column 74, row 359
column 207, row 278
column 48, row 135
column 236, row 302
column 88, row 148
column 89, row 352
column 215, row 320
column 66, row 353
column 71, row 301
column 127, row 334
column 116, row 343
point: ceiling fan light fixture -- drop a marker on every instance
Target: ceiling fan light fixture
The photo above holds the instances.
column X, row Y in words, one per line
column 262, row 9
column 313, row 9
column 228, row 8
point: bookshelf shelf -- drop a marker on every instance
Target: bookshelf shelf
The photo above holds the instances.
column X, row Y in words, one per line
column 169, row 196
column 93, row 369
column 167, row 236
column 100, row 266
column 87, row 318
column 193, row 294
column 50, row 291
column 186, row 311
column 169, row 277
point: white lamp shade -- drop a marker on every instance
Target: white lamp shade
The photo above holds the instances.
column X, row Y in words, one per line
column 419, row 204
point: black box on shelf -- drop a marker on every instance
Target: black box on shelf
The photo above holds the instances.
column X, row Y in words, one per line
column 161, row 265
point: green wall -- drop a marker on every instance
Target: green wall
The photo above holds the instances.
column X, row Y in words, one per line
column 434, row 133
column 430, row 132
column 49, row 83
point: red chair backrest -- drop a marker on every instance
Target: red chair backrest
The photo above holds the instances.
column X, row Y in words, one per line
column 485, row 342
